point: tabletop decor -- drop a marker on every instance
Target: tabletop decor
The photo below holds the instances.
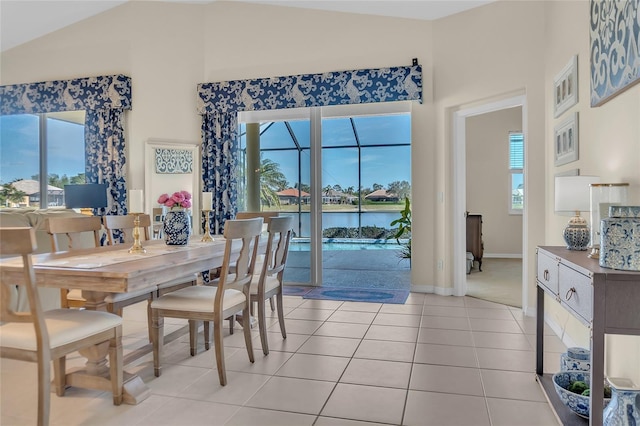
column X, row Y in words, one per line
column 624, row 409
column 176, row 226
column 136, row 208
column 207, row 203
column 620, row 238
column 577, row 402
column 572, row 195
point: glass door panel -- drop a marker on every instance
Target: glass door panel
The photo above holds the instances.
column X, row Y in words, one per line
column 285, row 183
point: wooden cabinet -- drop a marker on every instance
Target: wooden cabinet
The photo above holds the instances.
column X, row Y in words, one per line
column 605, row 300
column 475, row 245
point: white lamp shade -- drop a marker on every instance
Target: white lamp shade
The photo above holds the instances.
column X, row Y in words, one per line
column 572, row 193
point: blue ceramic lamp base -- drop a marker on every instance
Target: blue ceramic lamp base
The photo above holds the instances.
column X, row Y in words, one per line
column 577, row 234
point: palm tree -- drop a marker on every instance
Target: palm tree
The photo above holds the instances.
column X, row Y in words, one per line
column 11, row 193
column 272, row 180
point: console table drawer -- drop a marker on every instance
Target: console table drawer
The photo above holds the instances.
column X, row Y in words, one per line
column 576, row 292
column 547, row 272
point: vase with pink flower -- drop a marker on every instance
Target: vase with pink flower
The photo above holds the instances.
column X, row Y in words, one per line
column 177, row 224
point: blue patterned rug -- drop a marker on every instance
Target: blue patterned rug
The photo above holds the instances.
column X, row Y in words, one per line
column 372, row 295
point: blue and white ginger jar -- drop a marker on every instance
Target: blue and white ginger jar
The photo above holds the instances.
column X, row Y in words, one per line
column 176, row 227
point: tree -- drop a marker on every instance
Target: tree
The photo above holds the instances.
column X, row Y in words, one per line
column 377, row 186
column 10, row 193
column 327, row 190
column 59, row 182
column 337, row 188
column 272, row 180
column 350, row 190
column 400, row 188
column 303, row 187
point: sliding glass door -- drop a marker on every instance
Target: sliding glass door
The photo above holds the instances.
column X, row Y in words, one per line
column 342, row 173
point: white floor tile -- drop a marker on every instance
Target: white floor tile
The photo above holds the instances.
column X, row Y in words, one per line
column 342, row 363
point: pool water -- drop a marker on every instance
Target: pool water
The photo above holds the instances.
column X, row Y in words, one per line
column 303, row 244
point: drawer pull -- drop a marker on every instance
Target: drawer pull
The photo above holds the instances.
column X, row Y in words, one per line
column 570, row 293
column 546, row 275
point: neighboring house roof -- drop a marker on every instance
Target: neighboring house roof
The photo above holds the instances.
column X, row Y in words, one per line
column 30, row 187
column 334, row 193
column 380, row 194
column 292, row 192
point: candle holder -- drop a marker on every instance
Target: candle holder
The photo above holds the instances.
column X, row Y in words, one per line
column 137, row 246
column 207, row 235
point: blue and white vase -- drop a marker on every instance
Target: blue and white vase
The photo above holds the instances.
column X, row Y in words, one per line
column 624, row 409
column 176, row 227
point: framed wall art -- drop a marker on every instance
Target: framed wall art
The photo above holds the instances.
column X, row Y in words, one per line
column 565, row 88
column 615, row 48
column 566, row 141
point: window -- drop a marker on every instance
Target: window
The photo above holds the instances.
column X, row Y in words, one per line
column 516, row 172
column 34, row 145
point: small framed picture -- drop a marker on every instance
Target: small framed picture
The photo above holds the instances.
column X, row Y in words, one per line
column 566, row 140
column 565, row 88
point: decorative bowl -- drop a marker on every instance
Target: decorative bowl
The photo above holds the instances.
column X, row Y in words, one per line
column 579, row 404
column 575, row 359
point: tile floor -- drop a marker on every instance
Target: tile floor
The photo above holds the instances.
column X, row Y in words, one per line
column 433, row 361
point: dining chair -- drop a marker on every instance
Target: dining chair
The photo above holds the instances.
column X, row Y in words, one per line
column 42, row 337
column 116, row 302
column 213, row 304
column 269, row 284
column 72, row 233
column 266, row 217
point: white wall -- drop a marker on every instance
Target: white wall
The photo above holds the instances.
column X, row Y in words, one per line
column 484, row 55
column 488, row 180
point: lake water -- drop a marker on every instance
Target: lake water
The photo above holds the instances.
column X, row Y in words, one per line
column 343, row 219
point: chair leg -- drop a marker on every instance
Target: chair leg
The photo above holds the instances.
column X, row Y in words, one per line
column 115, row 366
column 263, row 327
column 232, row 323
column 281, row 315
column 60, row 375
column 217, row 341
column 158, row 341
column 246, row 325
column 193, row 337
column 272, row 303
column 44, row 392
column 207, row 335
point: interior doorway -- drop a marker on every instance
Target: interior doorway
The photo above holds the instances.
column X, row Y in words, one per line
column 460, row 118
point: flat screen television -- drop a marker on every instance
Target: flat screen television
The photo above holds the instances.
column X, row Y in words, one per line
column 85, row 196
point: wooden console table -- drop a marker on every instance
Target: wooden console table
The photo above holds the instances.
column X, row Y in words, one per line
column 605, row 300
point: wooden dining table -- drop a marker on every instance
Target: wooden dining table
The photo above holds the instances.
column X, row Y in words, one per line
column 105, row 270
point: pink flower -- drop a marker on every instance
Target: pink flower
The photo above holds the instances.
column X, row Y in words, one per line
column 177, row 199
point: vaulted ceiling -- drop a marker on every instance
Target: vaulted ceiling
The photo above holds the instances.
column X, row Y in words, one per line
column 22, row 21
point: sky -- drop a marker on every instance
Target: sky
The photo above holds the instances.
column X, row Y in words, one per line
column 380, row 164
column 19, row 147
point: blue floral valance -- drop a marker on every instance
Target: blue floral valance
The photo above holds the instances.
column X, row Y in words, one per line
column 90, row 93
column 311, row 90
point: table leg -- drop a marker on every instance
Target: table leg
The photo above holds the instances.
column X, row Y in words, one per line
column 95, row 374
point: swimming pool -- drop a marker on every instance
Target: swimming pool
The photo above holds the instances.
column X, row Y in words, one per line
column 303, row 244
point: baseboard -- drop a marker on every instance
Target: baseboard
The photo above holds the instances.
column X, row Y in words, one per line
column 502, row 255
column 431, row 289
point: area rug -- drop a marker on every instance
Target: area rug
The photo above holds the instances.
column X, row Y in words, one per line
column 372, row 295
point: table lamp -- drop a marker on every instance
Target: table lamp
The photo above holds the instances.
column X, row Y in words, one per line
column 572, row 195
column 86, row 197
